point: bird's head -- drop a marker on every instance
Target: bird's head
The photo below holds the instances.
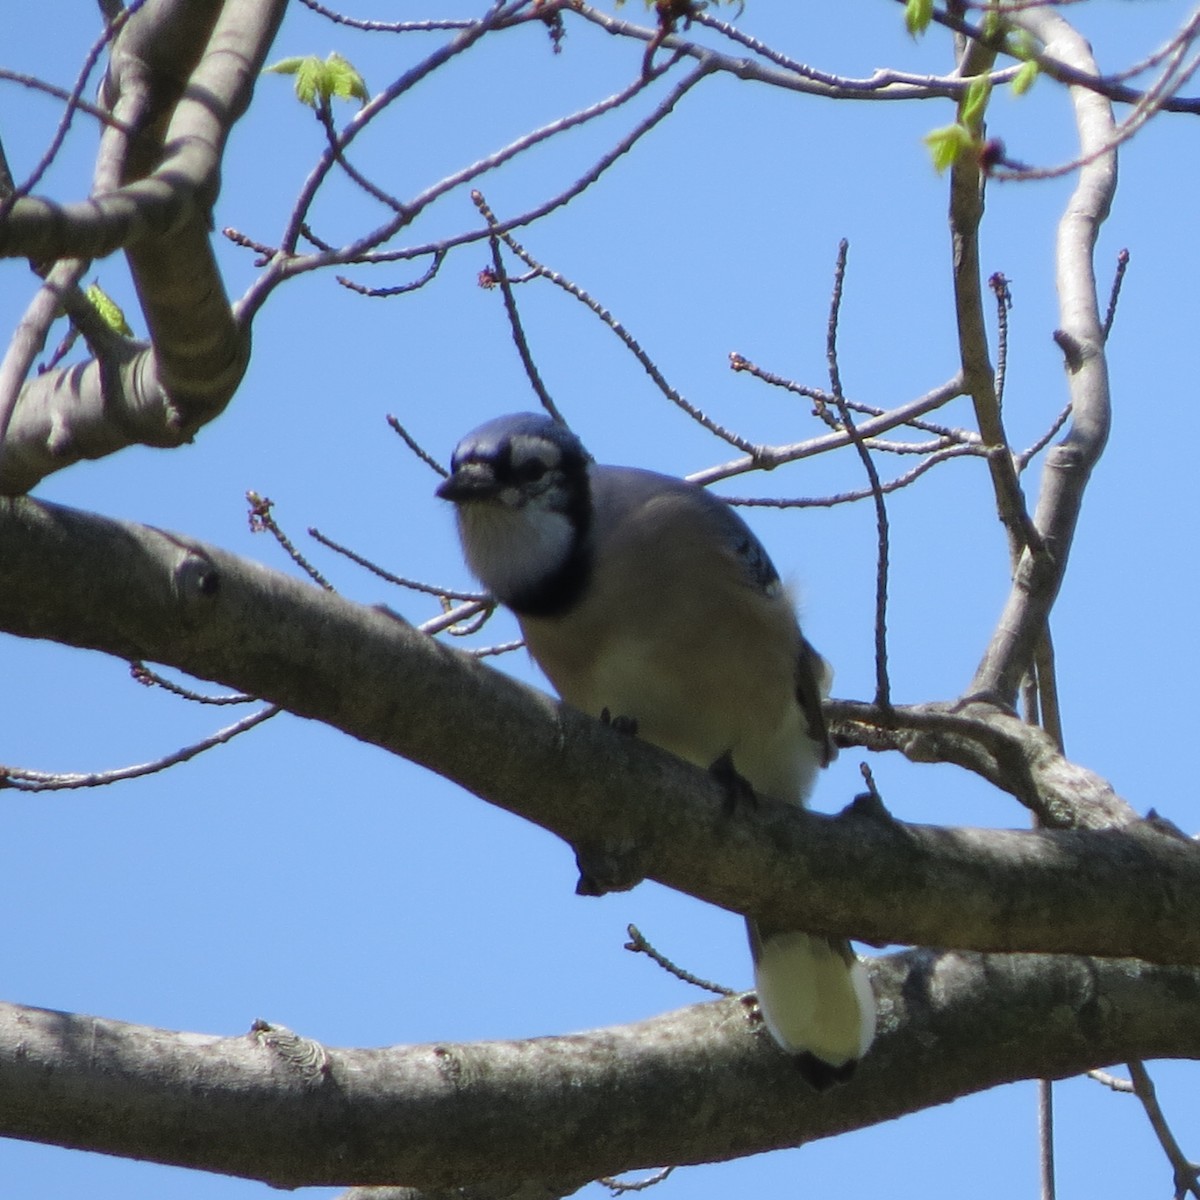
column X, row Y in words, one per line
column 520, row 487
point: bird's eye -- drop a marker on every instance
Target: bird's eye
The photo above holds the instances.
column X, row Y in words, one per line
column 531, row 470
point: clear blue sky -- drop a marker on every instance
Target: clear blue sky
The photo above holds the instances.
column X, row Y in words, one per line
column 303, row 878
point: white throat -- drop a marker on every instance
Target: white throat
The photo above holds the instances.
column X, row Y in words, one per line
column 513, row 550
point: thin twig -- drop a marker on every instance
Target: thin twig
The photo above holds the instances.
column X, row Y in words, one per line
column 882, row 683
column 490, row 162
column 1115, row 293
column 1003, row 293
column 415, row 585
column 455, row 616
column 439, row 257
column 1186, row 1172
column 880, row 85
column 83, row 106
column 1174, row 75
column 637, row 944
column 261, row 519
column 29, row 338
column 1046, row 1138
column 149, row 678
column 111, row 29
column 499, row 648
column 285, row 266
column 822, row 399
column 42, row 781
column 498, row 276
column 416, row 448
column 325, row 116
column 1023, row 459
column 462, row 42
column 769, row 457
column 1066, row 73
column 630, row 343
column 892, row 485
column 387, row 26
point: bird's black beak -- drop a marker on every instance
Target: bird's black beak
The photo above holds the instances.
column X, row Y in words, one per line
column 471, row 481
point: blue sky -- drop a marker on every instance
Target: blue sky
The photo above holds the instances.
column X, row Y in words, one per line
column 299, row 877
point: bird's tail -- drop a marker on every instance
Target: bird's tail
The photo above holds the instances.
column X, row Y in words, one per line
column 815, row 999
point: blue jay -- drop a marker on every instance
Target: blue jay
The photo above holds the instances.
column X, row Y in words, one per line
column 643, row 596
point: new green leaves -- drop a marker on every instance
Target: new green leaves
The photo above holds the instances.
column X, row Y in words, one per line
column 318, row 82
column 951, row 142
column 108, row 309
column 1024, row 79
column 917, row 15
column 948, row 144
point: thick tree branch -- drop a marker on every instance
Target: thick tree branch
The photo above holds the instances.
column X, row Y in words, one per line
column 145, row 595
column 1069, row 464
column 697, row 1085
column 1009, row 753
column 184, row 88
column 184, row 183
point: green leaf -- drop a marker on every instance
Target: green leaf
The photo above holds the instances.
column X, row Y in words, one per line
column 917, row 15
column 948, row 144
column 317, row 82
column 1025, row 78
column 108, row 309
column 285, row 66
column 1021, row 45
column 975, row 101
column 343, row 80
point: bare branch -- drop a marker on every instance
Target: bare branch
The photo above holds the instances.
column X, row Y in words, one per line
column 638, row 944
column 149, row 678
column 499, row 275
column 83, row 106
column 490, row 1114
column 157, row 395
column 412, row 444
column 630, row 343
column 768, row 457
column 29, row 337
column 794, row 76
column 182, row 185
column 824, row 400
column 399, row 580
column 883, row 690
column 72, row 105
column 1114, row 294
column 1187, row 1174
column 25, row 780
column 966, row 212
column 262, row 520
column 867, row 493
column 284, row 266
column 137, row 593
column 1068, row 466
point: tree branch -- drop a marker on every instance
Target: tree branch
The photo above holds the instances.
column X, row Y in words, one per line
column 1069, row 464
column 186, row 88
column 144, row 595
column 579, row 1106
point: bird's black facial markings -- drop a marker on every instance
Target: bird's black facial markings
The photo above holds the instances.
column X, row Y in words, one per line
column 531, row 471
column 761, row 569
column 537, row 470
column 568, row 492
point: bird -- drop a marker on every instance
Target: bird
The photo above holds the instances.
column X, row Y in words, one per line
column 646, row 598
